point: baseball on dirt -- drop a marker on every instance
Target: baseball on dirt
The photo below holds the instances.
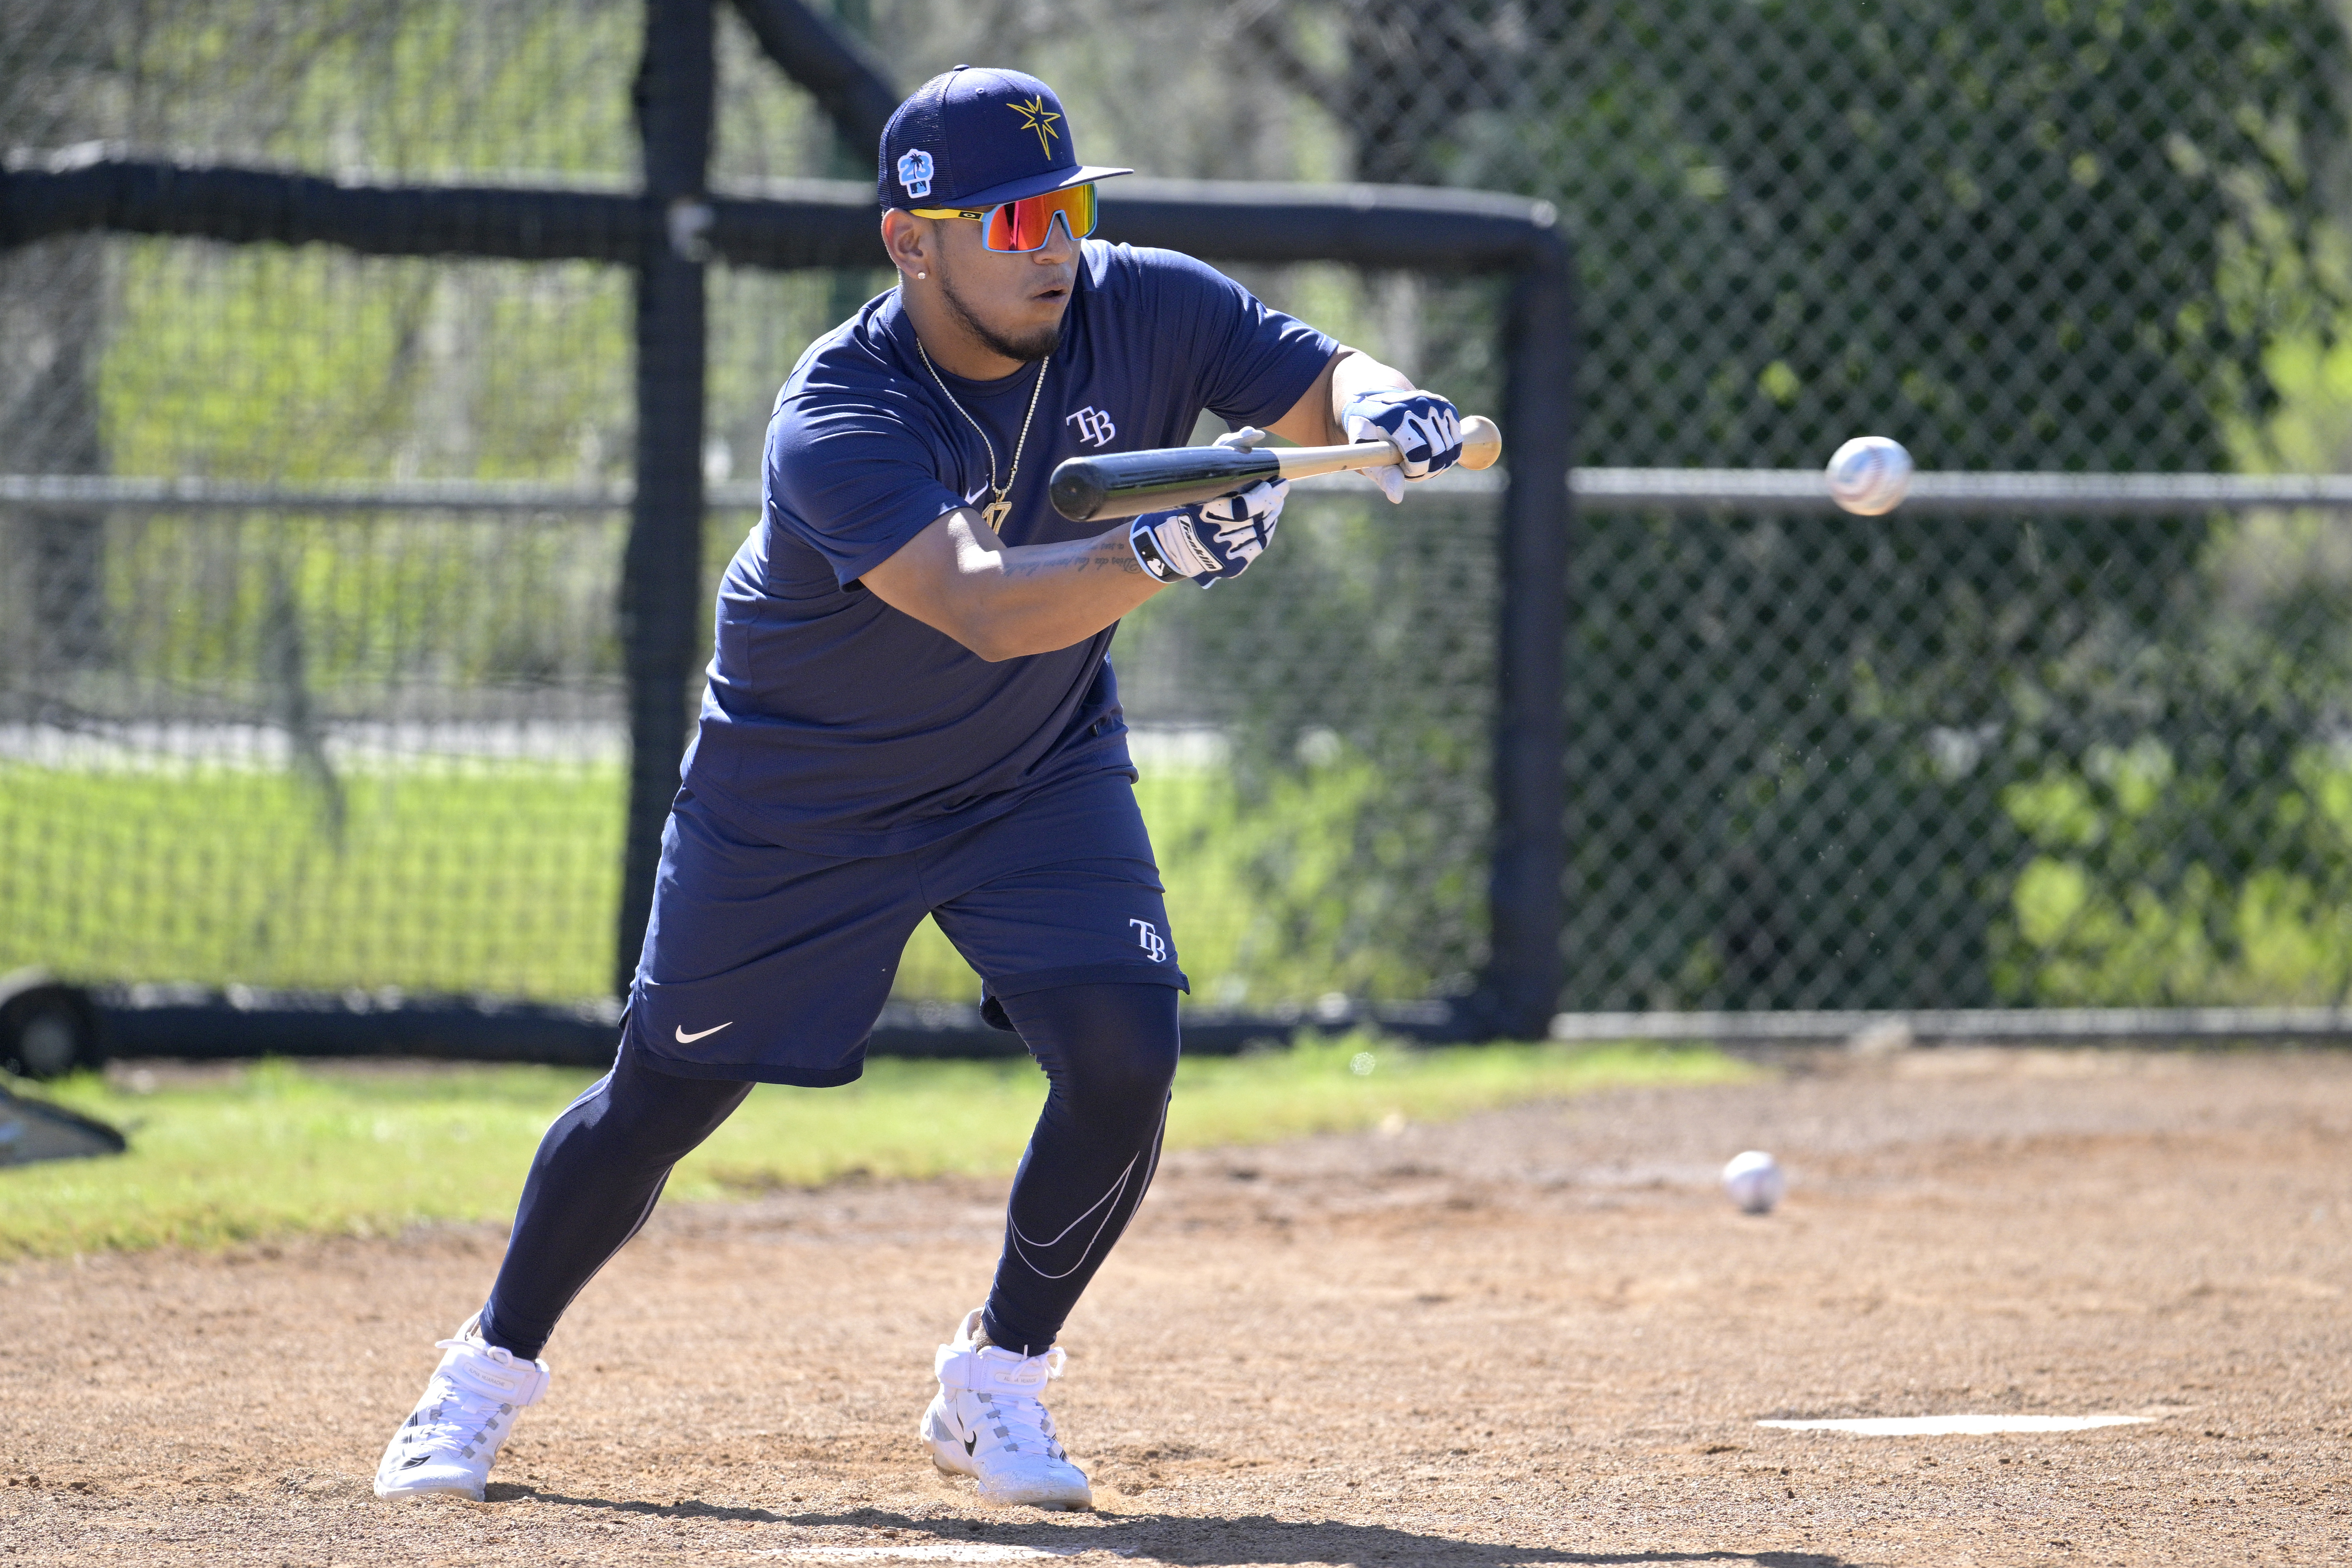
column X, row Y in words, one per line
column 1870, row 475
column 1754, row 1181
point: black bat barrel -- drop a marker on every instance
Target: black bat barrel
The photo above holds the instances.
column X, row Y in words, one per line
column 1122, row 484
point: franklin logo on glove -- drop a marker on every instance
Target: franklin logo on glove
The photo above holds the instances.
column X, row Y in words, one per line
column 1211, row 542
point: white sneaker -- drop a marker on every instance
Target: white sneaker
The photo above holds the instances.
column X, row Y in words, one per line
column 986, row 1422
column 449, row 1442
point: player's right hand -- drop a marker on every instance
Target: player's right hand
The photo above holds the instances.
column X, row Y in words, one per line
column 1425, row 429
column 1213, row 540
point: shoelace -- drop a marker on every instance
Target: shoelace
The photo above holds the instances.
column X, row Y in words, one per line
column 460, row 1417
column 1018, row 1422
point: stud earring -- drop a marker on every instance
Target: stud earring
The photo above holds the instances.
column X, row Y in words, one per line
column 922, row 274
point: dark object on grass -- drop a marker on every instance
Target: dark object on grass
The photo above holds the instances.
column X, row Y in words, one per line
column 34, row 1130
column 196, row 1023
column 47, row 1029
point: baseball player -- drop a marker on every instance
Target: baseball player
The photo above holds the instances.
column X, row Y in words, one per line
column 911, row 713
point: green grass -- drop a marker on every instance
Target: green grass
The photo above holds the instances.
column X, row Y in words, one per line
column 502, row 878
column 470, row 878
column 278, row 1149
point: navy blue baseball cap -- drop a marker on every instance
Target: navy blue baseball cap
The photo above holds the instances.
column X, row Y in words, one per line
column 975, row 136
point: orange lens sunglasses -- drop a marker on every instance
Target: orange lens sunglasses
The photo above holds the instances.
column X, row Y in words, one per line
column 1024, row 224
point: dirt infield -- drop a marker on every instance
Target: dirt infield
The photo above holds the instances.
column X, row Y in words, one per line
column 1538, row 1336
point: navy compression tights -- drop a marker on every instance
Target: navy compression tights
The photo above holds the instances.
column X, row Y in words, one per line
column 1108, row 1052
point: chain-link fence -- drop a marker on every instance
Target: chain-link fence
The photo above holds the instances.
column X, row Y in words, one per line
column 1815, row 762
column 349, row 712
column 383, row 749
column 1928, row 762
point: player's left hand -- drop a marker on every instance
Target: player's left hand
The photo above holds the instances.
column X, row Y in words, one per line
column 1213, row 540
column 1425, row 429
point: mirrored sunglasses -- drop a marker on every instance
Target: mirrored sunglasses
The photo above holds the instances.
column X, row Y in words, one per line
column 1025, row 225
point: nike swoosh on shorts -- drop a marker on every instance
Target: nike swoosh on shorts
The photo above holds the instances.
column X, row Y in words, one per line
column 686, row 1039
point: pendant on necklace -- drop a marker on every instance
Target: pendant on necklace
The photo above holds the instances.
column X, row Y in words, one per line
column 995, row 512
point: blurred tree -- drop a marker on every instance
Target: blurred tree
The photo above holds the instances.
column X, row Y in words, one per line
column 2030, row 234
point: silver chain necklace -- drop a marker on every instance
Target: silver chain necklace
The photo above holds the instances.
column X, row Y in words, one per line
column 996, row 510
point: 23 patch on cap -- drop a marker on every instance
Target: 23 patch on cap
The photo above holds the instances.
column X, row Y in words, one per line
column 914, row 172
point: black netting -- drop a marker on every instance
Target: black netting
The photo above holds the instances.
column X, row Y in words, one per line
column 327, row 748
column 1816, row 762
column 331, row 747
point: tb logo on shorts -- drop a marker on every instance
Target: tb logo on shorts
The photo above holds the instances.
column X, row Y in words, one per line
column 1148, row 938
column 1095, row 429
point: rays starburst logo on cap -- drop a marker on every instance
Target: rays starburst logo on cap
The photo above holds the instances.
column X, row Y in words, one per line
column 1035, row 116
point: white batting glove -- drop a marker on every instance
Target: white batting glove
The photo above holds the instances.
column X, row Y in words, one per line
column 1211, row 542
column 1425, row 429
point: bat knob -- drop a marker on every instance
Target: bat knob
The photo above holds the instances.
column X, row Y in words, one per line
column 1078, row 490
column 1482, row 442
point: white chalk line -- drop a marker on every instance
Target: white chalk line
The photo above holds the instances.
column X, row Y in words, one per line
column 1957, row 1426
column 934, row 1552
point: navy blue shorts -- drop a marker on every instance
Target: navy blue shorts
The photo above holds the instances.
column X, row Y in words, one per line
column 772, row 964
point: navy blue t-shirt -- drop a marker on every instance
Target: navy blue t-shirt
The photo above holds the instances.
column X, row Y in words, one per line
column 837, row 725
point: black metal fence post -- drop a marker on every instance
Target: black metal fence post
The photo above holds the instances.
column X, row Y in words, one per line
column 829, row 55
column 1523, row 892
column 661, row 578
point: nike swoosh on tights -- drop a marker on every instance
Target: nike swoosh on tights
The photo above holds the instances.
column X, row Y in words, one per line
column 686, row 1039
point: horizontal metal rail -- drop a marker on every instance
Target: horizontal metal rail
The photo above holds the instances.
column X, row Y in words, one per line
column 779, row 224
column 1594, row 490
column 198, row 1023
column 1958, row 494
column 1987, row 1026
column 110, row 492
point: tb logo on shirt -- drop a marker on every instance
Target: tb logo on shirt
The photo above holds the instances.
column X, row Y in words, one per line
column 1095, row 429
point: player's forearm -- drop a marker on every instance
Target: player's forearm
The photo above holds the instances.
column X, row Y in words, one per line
column 1037, row 598
column 1314, row 419
column 1352, row 371
column 1357, row 373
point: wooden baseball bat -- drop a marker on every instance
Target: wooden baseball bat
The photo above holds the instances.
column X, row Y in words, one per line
column 1122, row 484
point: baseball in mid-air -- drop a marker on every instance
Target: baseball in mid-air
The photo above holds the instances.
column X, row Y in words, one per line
column 1870, row 475
column 1754, row 1181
